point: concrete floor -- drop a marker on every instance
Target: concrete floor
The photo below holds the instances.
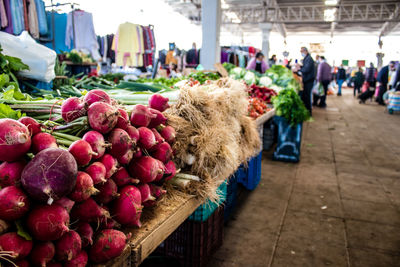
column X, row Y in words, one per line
column 340, row 206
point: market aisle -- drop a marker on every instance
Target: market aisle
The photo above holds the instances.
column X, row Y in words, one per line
column 340, row 206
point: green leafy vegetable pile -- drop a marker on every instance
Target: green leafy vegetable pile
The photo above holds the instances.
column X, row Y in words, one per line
column 289, row 105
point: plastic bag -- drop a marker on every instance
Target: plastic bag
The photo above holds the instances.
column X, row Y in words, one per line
column 315, row 89
column 40, row 59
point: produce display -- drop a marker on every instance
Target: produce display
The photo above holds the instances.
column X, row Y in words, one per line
column 80, row 164
column 68, row 188
column 214, row 135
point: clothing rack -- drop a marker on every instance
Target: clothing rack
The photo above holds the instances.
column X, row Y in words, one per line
column 52, row 5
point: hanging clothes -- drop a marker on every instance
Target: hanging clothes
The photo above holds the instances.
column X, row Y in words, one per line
column 82, row 33
column 60, row 27
column 3, row 15
column 26, row 22
column 33, row 19
column 17, row 16
column 9, row 28
column 127, row 45
column 41, row 15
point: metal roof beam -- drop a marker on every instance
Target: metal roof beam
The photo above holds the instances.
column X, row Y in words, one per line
column 388, row 26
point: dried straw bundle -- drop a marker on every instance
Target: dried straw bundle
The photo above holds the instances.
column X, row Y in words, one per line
column 214, row 133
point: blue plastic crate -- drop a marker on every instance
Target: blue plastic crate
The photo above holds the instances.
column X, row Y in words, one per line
column 231, row 197
column 202, row 213
column 250, row 177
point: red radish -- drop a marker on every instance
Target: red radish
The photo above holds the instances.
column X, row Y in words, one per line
column 108, row 191
column 120, row 142
column 50, row 175
column 15, row 140
column 145, row 192
column 160, row 174
column 68, row 246
column 42, row 253
column 138, row 154
column 97, row 172
column 41, row 141
column 102, row 117
column 89, row 211
column 133, row 133
column 163, row 152
column 66, row 203
column 110, row 163
column 126, row 158
column 96, row 141
column 127, row 208
column 159, row 119
column 96, row 95
column 32, row 124
column 80, row 260
column 84, row 188
column 109, row 244
column 147, row 139
column 158, row 102
column 23, row 263
column 11, row 244
column 157, row 135
column 141, row 116
column 122, row 177
column 49, row 222
column 168, row 133
column 72, row 108
column 86, row 232
column 145, row 169
column 82, row 152
column 170, row 169
column 4, row 226
column 109, row 223
column 14, row 203
column 157, row 191
column 10, row 173
column 123, row 119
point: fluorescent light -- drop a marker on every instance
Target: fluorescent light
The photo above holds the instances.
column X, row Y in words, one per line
column 331, row 2
column 329, row 14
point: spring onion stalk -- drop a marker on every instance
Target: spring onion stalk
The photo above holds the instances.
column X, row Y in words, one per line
column 64, row 136
column 187, row 177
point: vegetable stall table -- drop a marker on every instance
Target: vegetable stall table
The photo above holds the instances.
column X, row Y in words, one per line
column 265, row 117
column 158, row 224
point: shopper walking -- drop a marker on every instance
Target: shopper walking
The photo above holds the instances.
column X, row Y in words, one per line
column 340, row 78
column 359, row 79
column 383, row 80
column 370, row 75
column 308, row 75
column 257, row 63
column 324, row 77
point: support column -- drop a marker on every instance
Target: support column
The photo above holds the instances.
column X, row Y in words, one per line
column 266, row 30
column 211, row 24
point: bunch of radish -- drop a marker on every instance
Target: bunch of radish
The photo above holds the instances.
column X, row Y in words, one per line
column 70, row 201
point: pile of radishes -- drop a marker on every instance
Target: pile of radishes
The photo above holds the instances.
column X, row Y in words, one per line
column 72, row 200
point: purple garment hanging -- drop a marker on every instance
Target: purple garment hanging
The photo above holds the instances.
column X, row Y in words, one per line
column 9, row 28
column 224, row 56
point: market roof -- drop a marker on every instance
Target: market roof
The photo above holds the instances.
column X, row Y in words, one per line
column 380, row 17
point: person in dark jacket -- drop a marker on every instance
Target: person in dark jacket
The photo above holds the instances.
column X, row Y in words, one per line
column 383, row 79
column 340, row 78
column 308, row 76
column 370, row 75
column 359, row 79
column 324, row 77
